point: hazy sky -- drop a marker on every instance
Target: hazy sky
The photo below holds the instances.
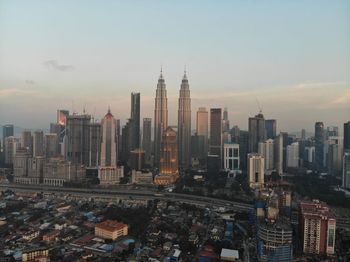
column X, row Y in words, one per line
column 294, row 56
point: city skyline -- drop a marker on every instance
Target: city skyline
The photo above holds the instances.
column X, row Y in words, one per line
column 292, row 57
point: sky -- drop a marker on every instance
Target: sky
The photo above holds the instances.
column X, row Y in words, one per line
column 291, row 56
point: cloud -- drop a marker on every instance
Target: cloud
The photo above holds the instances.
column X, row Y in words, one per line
column 16, row 92
column 343, row 99
column 53, row 64
column 30, row 82
column 316, row 85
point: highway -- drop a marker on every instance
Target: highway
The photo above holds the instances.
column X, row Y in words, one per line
column 128, row 192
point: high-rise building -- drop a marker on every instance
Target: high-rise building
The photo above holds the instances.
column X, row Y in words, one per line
column 62, row 116
column 109, row 142
column 231, row 156
column 346, row 169
column 225, row 121
column 257, row 132
column 51, row 145
column 10, row 146
column 27, row 141
column 319, row 145
column 332, row 131
column 169, row 153
column 77, row 144
column 137, row 159
column 126, row 141
column 202, row 129
column 184, row 124
column 146, row 139
column 38, row 143
column 135, row 116
column 303, row 134
column 7, row 130
column 333, row 155
column 160, row 117
column 243, row 148
column 318, row 225
column 293, row 155
column 235, row 133
column 275, row 241
column 256, row 170
column 278, row 154
column 266, row 149
column 310, row 154
column 215, row 141
column 270, row 125
column 95, row 144
column 346, row 136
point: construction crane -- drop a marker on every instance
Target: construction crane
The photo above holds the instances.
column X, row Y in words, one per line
column 258, row 104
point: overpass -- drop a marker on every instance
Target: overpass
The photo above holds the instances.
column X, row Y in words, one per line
column 128, row 192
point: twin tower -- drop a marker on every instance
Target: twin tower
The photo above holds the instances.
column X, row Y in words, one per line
column 162, row 157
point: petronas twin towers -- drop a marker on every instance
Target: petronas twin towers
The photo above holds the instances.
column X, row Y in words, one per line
column 184, row 121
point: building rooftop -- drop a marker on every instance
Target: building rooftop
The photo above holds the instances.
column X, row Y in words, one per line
column 229, row 253
column 316, row 208
column 111, row 225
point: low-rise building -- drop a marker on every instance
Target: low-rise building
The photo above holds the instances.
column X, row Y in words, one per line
column 140, row 177
column 111, row 229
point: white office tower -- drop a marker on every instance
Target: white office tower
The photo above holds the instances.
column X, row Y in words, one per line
column 256, row 170
column 266, row 149
column 278, row 154
column 231, row 156
column 293, row 155
column 346, row 169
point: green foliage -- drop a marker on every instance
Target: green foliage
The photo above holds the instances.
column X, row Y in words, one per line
column 320, row 188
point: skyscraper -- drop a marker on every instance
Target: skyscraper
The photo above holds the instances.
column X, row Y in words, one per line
column 270, row 125
column 184, row 124
column 27, row 141
column 202, row 129
column 257, row 132
column 109, row 143
column 332, row 131
column 160, row 117
column 266, row 149
column 169, row 153
column 278, row 153
column 7, row 130
column 135, row 116
column 95, row 144
column 62, row 116
column 293, row 155
column 10, row 146
column 146, row 138
column 319, row 145
column 77, row 139
column 38, row 143
column 347, row 136
column 215, row 140
column 231, row 156
column 256, row 170
column 225, row 121
column 51, row 145
column 126, row 141
column 346, row 169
